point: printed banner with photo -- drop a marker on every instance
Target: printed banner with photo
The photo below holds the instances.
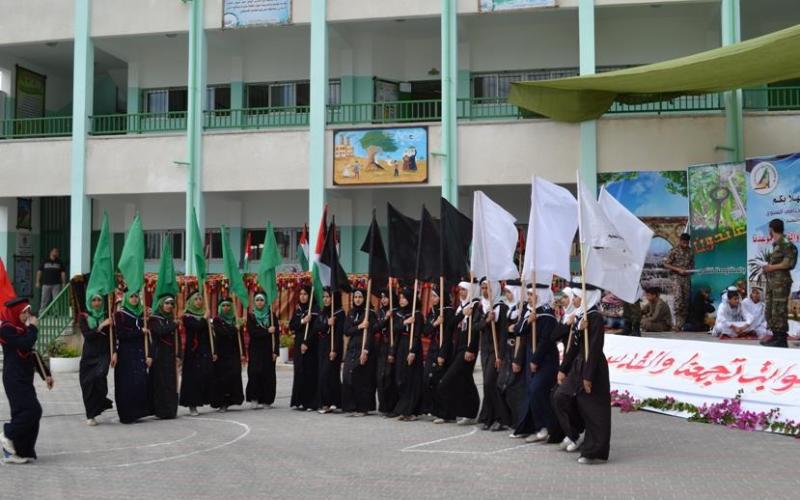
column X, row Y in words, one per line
column 773, row 192
column 380, row 156
column 718, row 224
column 659, row 199
column 703, row 373
column 244, row 13
column 499, row 5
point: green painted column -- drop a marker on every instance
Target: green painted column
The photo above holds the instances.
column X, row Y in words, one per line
column 194, row 125
column 237, row 95
column 588, row 141
column 449, row 148
column 317, row 118
column 732, row 33
column 82, row 98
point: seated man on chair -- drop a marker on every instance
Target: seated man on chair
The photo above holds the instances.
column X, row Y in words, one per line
column 656, row 316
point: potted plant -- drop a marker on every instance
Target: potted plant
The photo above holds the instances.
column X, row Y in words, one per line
column 63, row 357
column 287, row 342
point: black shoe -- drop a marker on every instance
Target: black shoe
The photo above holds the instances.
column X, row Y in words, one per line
column 497, row 427
column 777, row 340
column 486, row 427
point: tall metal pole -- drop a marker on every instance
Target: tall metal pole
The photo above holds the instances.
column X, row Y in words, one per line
column 588, row 144
column 194, row 126
column 449, row 43
column 317, row 115
column 731, row 33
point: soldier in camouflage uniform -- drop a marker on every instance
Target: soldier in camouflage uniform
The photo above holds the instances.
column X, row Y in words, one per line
column 779, row 284
column 680, row 261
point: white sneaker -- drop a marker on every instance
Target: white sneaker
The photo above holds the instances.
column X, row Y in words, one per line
column 91, row 422
column 12, row 458
column 591, row 461
column 7, row 444
column 259, row 406
column 565, row 443
column 514, row 435
column 193, row 411
column 573, row 447
column 223, row 409
column 465, row 421
column 542, row 435
column 438, row 421
column 333, row 408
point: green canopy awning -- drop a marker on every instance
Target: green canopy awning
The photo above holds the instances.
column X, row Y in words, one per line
column 770, row 58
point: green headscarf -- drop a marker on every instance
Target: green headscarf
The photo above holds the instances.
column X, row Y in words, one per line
column 136, row 310
column 95, row 316
column 192, row 309
column 229, row 318
column 160, row 307
column 263, row 316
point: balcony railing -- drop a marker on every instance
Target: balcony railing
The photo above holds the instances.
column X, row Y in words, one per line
column 53, row 126
column 468, row 109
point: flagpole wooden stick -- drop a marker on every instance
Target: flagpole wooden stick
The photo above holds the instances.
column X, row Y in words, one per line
column 332, row 328
column 441, row 312
column 111, row 325
column 366, row 311
column 413, row 315
column 583, row 274
column 207, row 304
column 533, row 253
column 146, row 327
column 391, row 318
column 494, row 325
column 469, row 320
column 310, row 305
column 238, row 327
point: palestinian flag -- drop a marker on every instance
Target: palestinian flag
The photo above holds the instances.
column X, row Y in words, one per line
column 320, row 273
column 247, row 249
column 302, row 249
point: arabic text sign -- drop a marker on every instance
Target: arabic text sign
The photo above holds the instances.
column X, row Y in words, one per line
column 243, row 13
column 705, row 373
column 497, row 5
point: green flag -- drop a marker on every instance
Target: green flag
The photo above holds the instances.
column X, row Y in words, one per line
column 167, row 281
column 101, row 280
column 231, row 268
column 267, row 268
column 199, row 253
column 131, row 262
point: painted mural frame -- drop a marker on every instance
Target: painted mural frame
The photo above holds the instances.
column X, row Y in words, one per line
column 25, row 213
column 380, row 156
column 489, row 6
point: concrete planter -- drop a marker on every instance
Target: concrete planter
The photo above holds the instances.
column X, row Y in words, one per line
column 284, row 354
column 65, row 365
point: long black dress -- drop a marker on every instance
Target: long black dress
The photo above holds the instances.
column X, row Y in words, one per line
column 573, row 405
column 439, row 347
column 304, row 384
column 494, row 407
column 93, row 373
column 131, row 386
column 457, row 390
column 330, row 372
column 263, row 350
column 513, row 386
column 163, row 374
column 408, row 377
column 198, row 367
column 538, row 412
column 384, row 371
column 19, row 364
column 226, row 388
column 358, row 387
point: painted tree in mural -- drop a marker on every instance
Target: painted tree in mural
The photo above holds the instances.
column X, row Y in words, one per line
column 376, row 141
column 676, row 182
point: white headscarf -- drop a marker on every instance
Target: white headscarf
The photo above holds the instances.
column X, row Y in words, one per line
column 570, row 293
column 515, row 295
column 465, row 285
column 544, row 297
column 591, row 299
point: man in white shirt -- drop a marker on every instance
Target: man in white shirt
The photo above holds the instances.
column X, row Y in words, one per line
column 730, row 317
column 753, row 309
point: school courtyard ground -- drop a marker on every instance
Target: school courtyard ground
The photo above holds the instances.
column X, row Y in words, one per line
column 280, row 453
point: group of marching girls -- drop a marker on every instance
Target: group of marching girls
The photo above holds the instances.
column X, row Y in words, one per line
column 414, row 336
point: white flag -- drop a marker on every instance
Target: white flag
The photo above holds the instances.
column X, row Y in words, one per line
column 551, row 230
column 615, row 242
column 494, row 240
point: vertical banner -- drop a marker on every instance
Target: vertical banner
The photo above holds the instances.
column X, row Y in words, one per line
column 773, row 192
column 659, row 199
column 718, row 224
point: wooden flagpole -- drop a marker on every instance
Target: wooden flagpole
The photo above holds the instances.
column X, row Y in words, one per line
column 583, row 274
column 391, row 318
column 207, row 304
column 366, row 312
column 238, row 327
column 441, row 312
column 145, row 336
column 111, row 326
column 310, row 305
column 413, row 315
column 332, row 328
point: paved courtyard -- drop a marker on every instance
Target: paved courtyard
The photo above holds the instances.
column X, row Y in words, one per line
column 280, row 453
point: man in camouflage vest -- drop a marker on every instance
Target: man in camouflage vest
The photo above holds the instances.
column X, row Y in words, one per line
column 680, row 261
column 779, row 284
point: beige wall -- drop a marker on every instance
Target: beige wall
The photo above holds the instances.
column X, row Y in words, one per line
column 38, row 20
column 768, row 134
column 35, row 167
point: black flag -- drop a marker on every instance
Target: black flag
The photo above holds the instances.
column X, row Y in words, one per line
column 403, row 234
column 456, row 237
column 330, row 257
column 378, row 264
column 428, row 248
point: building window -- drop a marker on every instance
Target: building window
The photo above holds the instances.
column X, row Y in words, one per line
column 213, row 244
column 288, row 238
column 497, row 85
column 154, row 242
column 288, row 94
column 218, row 98
column 164, row 100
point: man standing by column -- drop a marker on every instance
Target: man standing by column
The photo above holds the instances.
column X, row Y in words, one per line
column 50, row 277
column 681, row 261
column 779, row 284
